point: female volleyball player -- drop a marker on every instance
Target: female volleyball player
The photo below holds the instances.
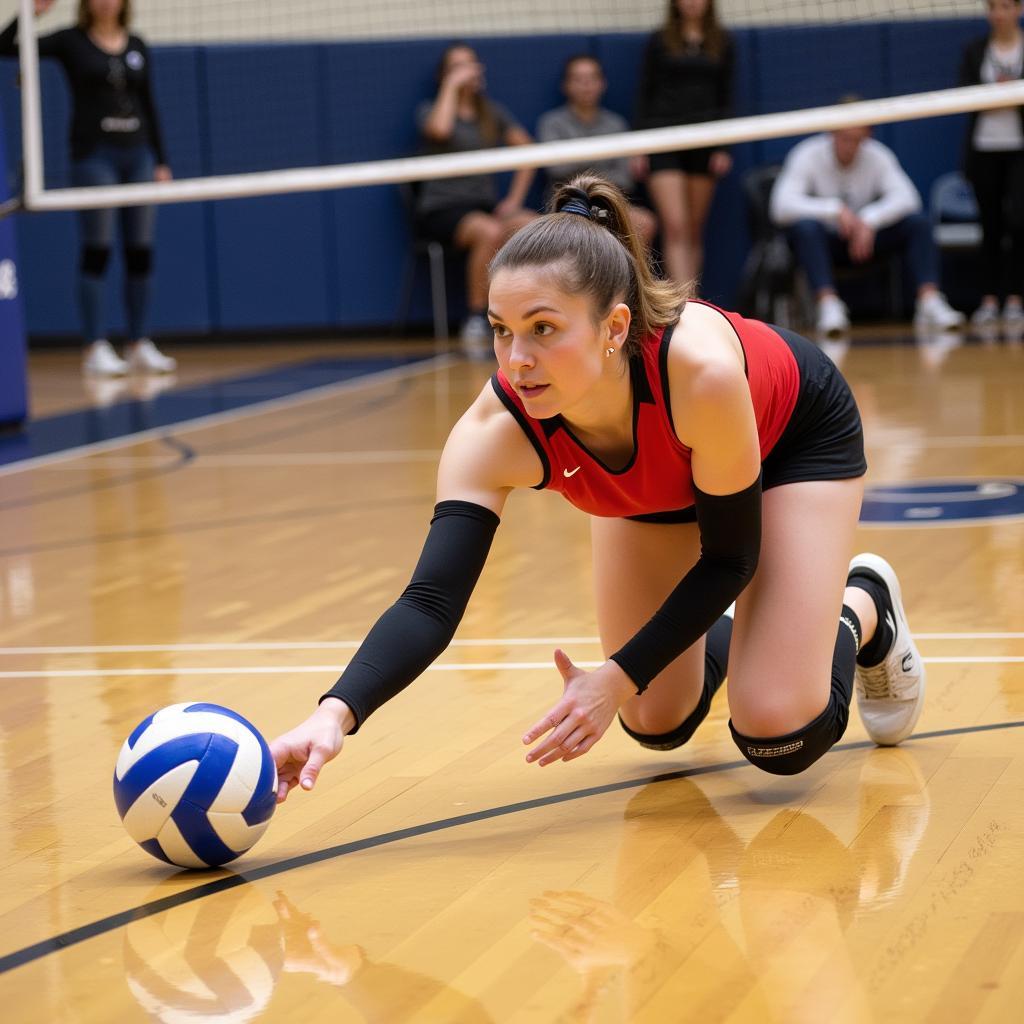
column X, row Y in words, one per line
column 115, row 139
column 719, row 458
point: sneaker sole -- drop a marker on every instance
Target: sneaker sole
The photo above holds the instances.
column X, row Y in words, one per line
column 876, row 566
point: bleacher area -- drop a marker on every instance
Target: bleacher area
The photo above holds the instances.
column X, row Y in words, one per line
column 332, row 261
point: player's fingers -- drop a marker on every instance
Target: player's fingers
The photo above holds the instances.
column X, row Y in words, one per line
column 581, row 749
column 314, row 763
column 554, row 739
column 549, row 721
column 566, row 668
column 569, row 743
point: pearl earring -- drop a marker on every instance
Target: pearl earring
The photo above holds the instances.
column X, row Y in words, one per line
column 610, row 351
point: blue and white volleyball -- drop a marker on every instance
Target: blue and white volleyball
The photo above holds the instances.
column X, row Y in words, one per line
column 195, row 785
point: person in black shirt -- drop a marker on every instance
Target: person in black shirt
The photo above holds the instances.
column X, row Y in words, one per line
column 114, row 139
column 994, row 166
column 686, row 77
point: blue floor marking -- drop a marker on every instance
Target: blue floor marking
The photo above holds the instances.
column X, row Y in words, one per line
column 53, row 434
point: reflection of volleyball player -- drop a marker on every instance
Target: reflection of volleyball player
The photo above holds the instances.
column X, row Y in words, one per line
column 718, row 457
column 115, row 139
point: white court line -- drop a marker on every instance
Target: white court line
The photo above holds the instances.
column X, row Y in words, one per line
column 469, row 666
column 269, row 459
column 287, row 645
column 351, row 645
column 244, row 412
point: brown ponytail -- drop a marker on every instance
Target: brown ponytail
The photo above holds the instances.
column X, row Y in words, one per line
column 595, row 251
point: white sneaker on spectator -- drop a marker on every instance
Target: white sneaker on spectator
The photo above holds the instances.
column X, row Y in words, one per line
column 145, row 357
column 986, row 315
column 890, row 695
column 934, row 311
column 100, row 360
column 477, row 337
column 1013, row 313
column 833, row 316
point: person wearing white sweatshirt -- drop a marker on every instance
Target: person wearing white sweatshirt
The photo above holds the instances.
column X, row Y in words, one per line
column 844, row 199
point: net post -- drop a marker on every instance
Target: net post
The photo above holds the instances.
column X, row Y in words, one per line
column 31, row 106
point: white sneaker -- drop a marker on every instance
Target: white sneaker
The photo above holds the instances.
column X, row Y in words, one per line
column 833, row 316
column 145, row 357
column 1013, row 314
column 477, row 337
column 986, row 315
column 100, row 360
column 934, row 311
column 890, row 695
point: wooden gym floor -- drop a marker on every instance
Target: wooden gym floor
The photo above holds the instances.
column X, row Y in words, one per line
column 433, row 875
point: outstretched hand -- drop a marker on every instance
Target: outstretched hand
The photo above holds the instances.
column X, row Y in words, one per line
column 301, row 753
column 588, row 705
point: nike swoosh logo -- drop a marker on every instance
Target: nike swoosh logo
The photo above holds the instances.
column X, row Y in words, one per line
column 568, row 473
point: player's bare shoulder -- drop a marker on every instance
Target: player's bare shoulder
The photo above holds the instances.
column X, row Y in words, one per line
column 705, row 363
column 487, row 450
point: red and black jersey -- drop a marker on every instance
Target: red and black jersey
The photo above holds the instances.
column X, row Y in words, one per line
column 657, row 478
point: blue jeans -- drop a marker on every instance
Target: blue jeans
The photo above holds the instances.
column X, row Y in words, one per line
column 818, row 248
column 115, row 165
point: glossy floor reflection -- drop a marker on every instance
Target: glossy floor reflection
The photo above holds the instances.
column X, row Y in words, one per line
column 433, row 875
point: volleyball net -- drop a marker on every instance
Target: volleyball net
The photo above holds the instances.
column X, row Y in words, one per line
column 344, row 77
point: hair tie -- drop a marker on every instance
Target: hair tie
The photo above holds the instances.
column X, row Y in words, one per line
column 577, row 206
column 579, row 203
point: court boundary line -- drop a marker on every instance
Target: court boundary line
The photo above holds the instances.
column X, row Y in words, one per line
column 345, row 645
column 72, row 937
column 414, row 368
column 334, row 669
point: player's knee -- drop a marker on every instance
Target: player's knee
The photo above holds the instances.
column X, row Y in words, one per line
column 138, row 260
column 651, row 733
column 94, row 260
column 788, row 753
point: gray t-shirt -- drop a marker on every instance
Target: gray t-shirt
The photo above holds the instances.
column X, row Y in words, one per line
column 562, row 123
column 472, row 189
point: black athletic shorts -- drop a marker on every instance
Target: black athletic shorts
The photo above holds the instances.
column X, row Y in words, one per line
column 689, row 161
column 823, row 440
column 440, row 225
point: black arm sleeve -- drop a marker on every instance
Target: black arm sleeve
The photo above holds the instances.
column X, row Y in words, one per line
column 730, row 541
column 422, row 622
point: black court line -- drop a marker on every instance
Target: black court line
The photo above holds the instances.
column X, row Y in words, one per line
column 65, row 940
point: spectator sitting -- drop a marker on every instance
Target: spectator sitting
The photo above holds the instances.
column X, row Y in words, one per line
column 582, row 117
column 844, row 199
column 465, row 211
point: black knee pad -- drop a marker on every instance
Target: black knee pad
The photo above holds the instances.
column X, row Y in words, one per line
column 796, row 751
column 678, row 736
column 94, row 260
column 138, row 260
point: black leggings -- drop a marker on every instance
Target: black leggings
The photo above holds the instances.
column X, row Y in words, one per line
column 998, row 180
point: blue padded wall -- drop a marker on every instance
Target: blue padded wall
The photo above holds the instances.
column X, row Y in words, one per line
column 930, row 147
column 265, row 109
